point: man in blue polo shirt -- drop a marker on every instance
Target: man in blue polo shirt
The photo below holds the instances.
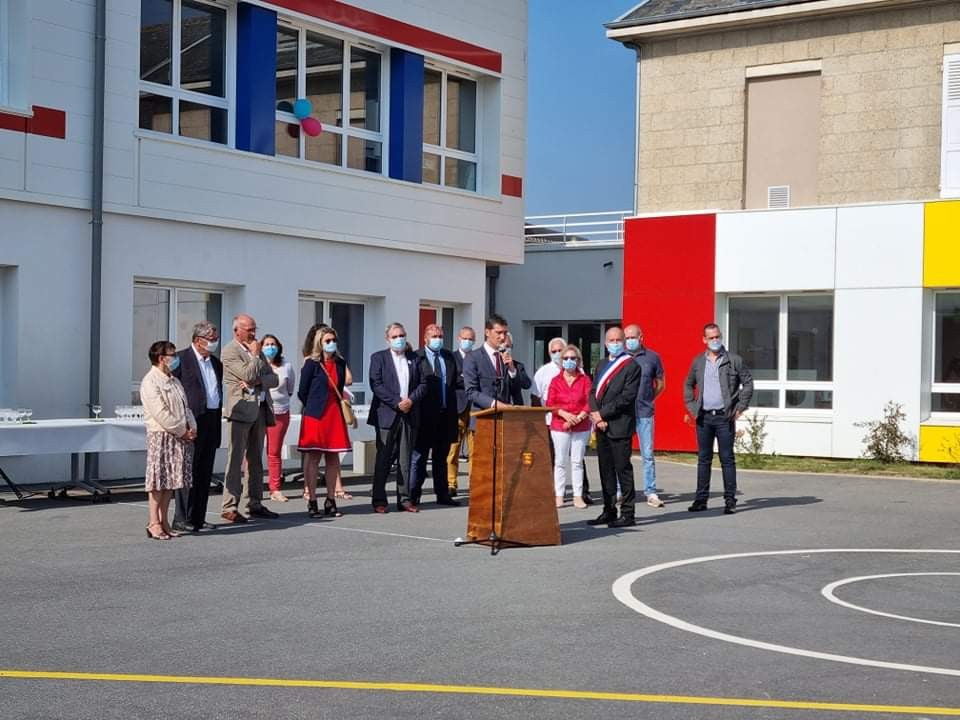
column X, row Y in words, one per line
column 651, row 385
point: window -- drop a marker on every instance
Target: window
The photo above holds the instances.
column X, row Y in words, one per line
column 438, row 315
column 782, row 140
column 311, row 65
column 946, row 353
column 4, row 52
column 950, row 141
column 542, row 335
column 787, row 342
column 184, row 92
column 169, row 313
column 347, row 318
column 449, row 129
column 15, row 51
column 588, row 336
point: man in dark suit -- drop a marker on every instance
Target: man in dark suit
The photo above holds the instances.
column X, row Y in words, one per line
column 437, row 430
column 521, row 381
column 201, row 374
column 487, row 371
column 613, row 411
column 466, row 340
column 398, row 390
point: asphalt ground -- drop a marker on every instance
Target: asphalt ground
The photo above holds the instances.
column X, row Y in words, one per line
column 352, row 607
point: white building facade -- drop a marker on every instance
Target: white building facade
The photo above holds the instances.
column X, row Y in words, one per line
column 216, row 200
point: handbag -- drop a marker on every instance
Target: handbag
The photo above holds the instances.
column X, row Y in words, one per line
column 346, row 408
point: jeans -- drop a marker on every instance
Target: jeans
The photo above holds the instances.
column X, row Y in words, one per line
column 569, row 450
column 645, row 438
column 723, row 429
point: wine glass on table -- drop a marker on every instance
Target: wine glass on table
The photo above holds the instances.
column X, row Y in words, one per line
column 97, row 409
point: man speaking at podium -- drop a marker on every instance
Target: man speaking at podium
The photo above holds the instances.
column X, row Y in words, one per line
column 487, row 371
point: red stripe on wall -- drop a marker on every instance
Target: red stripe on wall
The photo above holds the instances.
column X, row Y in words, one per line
column 45, row 121
column 385, row 27
column 668, row 289
column 511, row 185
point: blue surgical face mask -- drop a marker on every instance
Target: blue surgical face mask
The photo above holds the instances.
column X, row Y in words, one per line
column 466, row 345
column 569, row 364
column 555, row 356
column 398, row 343
column 633, row 344
column 270, row 351
column 174, row 363
column 614, row 348
column 330, row 347
column 715, row 345
column 435, row 343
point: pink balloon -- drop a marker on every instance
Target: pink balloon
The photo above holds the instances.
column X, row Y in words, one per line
column 311, row 126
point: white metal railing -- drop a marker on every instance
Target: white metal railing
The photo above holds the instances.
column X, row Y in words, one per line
column 575, row 227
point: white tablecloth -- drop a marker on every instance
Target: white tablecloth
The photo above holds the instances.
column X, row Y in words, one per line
column 52, row 437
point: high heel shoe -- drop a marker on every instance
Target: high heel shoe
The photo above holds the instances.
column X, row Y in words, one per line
column 312, row 509
column 160, row 536
column 330, row 508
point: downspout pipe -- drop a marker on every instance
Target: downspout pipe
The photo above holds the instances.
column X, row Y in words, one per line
column 636, row 135
column 96, row 218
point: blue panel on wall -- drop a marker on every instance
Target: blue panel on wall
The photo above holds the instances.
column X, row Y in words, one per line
column 256, row 78
column 406, row 115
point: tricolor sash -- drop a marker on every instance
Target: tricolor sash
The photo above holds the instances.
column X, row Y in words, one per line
column 611, row 372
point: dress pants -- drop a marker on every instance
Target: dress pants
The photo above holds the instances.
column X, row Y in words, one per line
column 453, row 457
column 553, row 461
column 394, row 443
column 724, row 430
column 191, row 503
column 246, row 441
column 613, row 455
column 568, row 460
column 438, row 449
column 275, row 436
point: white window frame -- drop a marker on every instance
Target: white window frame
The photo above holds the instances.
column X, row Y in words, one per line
column 176, row 93
column 442, row 150
column 361, row 381
column 951, row 76
column 781, row 385
column 345, row 131
column 4, row 53
column 174, row 289
column 941, row 387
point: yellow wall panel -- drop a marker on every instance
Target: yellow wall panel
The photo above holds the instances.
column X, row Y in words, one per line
column 936, row 441
column 941, row 244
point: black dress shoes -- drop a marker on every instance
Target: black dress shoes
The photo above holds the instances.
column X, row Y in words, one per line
column 183, row 527
column 730, row 509
column 698, row 506
column 587, row 499
column 603, row 518
column 262, row 512
column 622, row 522
column 449, row 501
column 203, row 527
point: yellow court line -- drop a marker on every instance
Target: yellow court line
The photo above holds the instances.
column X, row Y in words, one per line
column 482, row 690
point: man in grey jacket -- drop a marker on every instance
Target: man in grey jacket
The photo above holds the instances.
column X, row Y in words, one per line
column 724, row 387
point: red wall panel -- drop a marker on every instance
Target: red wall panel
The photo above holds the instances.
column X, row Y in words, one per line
column 668, row 289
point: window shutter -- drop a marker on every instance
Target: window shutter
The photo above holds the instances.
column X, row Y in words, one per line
column 950, row 143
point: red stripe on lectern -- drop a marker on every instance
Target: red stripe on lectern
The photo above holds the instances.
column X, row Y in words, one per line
column 45, row 121
column 668, row 289
column 372, row 23
column 511, row 185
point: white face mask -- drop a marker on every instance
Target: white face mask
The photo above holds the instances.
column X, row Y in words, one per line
column 212, row 345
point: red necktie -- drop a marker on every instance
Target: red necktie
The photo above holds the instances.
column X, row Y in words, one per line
column 499, row 365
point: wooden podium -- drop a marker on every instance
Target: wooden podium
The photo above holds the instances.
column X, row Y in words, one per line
column 511, row 481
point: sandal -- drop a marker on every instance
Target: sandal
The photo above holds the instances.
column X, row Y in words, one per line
column 278, row 496
column 330, row 508
column 159, row 536
column 342, row 495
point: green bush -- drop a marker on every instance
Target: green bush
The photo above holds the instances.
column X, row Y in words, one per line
column 885, row 440
column 749, row 441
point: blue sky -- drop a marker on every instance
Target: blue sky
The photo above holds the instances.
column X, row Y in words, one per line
column 580, row 133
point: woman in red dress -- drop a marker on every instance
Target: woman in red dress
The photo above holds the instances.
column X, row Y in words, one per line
column 323, row 432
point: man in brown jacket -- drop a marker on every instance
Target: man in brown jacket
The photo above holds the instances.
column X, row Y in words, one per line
column 247, row 379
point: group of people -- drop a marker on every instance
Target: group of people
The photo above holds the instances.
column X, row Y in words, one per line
column 420, row 411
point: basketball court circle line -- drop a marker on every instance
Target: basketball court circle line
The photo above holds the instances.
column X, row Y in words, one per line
column 828, row 593
column 480, row 691
column 622, row 590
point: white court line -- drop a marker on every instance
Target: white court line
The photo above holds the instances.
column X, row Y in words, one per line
column 622, row 591
column 322, row 526
column 827, row 592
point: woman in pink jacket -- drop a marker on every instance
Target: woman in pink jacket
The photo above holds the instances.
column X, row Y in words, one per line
column 570, row 425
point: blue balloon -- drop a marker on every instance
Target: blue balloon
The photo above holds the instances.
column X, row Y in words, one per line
column 302, row 108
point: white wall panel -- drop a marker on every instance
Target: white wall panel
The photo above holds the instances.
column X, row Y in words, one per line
column 797, row 437
column 11, row 159
column 775, row 251
column 880, row 246
column 877, row 358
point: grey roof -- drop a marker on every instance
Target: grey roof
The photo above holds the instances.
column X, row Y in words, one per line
column 651, row 12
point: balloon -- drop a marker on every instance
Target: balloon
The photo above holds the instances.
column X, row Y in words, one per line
column 293, row 131
column 285, row 106
column 311, row 126
column 302, row 108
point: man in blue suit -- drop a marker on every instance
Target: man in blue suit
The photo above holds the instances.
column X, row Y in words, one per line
column 488, row 370
column 398, row 388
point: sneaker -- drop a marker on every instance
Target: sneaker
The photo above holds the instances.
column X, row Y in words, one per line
column 653, row 500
